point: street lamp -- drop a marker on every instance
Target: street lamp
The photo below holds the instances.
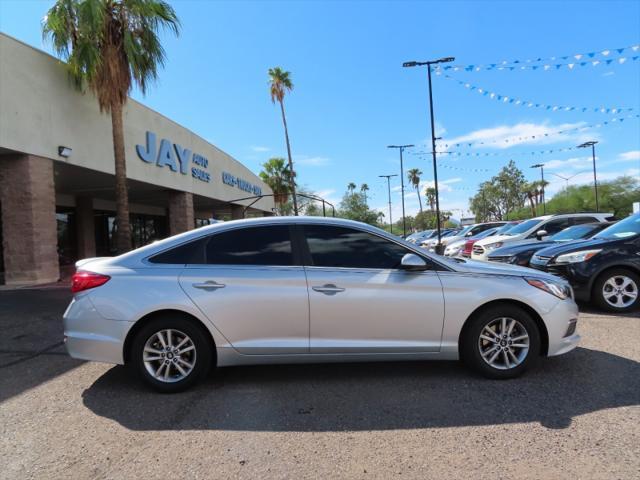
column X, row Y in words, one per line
column 388, row 177
column 592, row 144
column 404, row 219
column 438, row 248
column 566, row 179
column 541, row 167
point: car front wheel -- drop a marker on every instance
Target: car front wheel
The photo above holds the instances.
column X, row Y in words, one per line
column 616, row 290
column 500, row 342
column 171, row 354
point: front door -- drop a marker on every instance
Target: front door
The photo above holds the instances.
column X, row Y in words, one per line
column 360, row 301
column 252, row 291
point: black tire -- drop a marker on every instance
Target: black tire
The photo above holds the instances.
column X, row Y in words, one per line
column 202, row 352
column 597, row 295
column 469, row 342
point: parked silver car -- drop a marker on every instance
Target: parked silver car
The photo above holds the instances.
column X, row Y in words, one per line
column 308, row 289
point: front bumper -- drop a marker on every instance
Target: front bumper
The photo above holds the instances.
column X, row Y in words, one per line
column 90, row 336
column 558, row 322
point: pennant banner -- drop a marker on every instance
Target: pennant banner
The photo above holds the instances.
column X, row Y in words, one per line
column 518, row 140
column 529, row 104
column 607, row 57
column 460, row 169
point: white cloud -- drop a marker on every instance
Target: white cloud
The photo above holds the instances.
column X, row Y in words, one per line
column 573, row 163
column 630, row 156
column 506, row 136
column 260, row 149
column 311, row 161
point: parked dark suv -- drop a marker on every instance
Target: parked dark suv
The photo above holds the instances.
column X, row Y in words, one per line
column 521, row 254
column 604, row 269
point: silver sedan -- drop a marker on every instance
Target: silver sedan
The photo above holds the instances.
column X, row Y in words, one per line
column 305, row 289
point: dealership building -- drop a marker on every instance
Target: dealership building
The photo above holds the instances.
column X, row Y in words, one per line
column 57, row 184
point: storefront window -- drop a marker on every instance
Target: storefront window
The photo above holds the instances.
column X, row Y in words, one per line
column 144, row 230
column 66, row 223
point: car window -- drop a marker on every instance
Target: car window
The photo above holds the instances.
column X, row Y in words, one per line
column 191, row 252
column 332, row 246
column 264, row 245
column 523, row 227
column 554, row 226
column 581, row 220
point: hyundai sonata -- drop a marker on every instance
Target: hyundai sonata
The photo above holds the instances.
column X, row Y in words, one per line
column 305, row 289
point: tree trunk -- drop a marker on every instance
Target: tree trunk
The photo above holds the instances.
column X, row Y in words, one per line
column 293, row 180
column 123, row 234
column 419, row 198
column 533, row 207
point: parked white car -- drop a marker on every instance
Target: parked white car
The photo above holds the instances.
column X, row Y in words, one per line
column 539, row 227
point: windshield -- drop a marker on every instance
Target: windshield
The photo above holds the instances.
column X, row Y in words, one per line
column 524, row 226
column 573, row 233
column 624, row 228
column 505, row 228
column 486, row 233
column 465, row 230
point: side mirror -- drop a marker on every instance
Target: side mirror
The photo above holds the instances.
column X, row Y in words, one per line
column 540, row 234
column 468, row 234
column 411, row 261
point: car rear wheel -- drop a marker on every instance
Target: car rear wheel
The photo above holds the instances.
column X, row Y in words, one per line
column 616, row 290
column 500, row 342
column 171, row 353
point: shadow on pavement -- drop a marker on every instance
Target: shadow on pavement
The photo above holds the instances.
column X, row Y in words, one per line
column 31, row 348
column 372, row 396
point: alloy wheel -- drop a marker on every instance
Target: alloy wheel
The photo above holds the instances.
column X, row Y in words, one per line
column 620, row 291
column 504, row 343
column 169, row 355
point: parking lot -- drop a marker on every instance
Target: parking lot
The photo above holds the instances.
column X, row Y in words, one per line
column 571, row 417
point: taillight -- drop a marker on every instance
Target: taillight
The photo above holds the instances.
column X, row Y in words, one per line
column 85, row 280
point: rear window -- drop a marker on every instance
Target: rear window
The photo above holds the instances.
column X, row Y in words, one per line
column 192, row 252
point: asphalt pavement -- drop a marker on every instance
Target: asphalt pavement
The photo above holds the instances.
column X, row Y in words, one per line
column 575, row 416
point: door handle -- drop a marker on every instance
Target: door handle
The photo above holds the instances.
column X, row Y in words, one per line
column 328, row 289
column 209, row 285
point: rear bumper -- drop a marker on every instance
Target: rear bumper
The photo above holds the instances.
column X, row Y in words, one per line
column 89, row 336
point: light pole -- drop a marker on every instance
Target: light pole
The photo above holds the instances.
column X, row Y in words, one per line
column 388, row 177
column 438, row 248
column 592, row 144
column 566, row 179
column 404, row 219
column 541, row 167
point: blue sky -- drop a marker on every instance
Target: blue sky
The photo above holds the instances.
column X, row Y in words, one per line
column 352, row 97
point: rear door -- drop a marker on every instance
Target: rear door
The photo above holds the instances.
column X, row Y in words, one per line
column 360, row 301
column 253, row 290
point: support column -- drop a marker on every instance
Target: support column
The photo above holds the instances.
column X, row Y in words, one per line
column 181, row 214
column 30, row 238
column 237, row 212
column 85, row 227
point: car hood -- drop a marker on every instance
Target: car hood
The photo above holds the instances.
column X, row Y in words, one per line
column 494, row 239
column 472, row 266
column 523, row 247
column 554, row 250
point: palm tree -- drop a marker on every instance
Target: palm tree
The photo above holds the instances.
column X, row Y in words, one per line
column 430, row 193
column 351, row 187
column 279, row 84
column 110, row 45
column 414, row 178
column 279, row 178
column 364, row 188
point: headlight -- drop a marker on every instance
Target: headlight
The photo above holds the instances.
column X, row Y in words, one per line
column 557, row 289
column 577, row 257
column 493, row 246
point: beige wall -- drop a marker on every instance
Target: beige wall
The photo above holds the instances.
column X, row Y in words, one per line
column 40, row 110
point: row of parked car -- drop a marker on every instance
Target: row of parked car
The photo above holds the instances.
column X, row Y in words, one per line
column 597, row 254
